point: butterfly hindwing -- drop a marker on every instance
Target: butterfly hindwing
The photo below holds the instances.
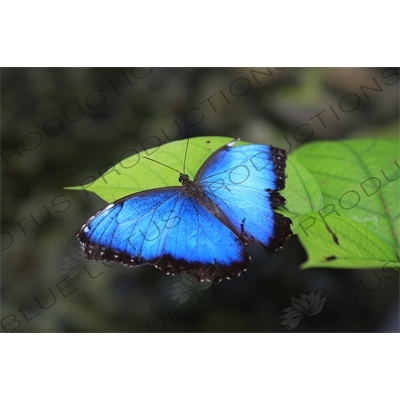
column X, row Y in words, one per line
column 167, row 228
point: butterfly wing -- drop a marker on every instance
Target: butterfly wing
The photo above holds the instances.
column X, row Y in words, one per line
column 244, row 183
column 167, row 228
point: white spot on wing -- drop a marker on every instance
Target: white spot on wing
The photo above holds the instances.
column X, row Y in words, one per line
column 230, row 144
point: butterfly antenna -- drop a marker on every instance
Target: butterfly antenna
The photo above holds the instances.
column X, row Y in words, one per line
column 158, row 162
column 184, row 161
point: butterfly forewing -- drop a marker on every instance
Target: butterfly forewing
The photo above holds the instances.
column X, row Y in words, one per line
column 243, row 182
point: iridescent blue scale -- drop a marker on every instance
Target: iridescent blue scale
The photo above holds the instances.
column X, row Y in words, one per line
column 202, row 225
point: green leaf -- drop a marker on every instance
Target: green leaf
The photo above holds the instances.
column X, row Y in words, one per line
column 135, row 173
column 302, row 192
column 339, row 242
column 359, row 179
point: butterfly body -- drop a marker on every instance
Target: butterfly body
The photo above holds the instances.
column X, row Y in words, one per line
column 204, row 224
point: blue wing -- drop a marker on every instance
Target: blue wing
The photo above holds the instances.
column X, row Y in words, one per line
column 243, row 182
column 205, row 223
column 167, row 228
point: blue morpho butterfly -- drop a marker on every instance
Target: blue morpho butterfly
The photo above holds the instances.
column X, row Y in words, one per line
column 202, row 225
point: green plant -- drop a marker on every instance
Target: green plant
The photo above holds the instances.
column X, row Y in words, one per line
column 342, row 196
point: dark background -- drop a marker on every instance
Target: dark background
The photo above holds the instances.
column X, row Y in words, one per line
column 64, row 126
